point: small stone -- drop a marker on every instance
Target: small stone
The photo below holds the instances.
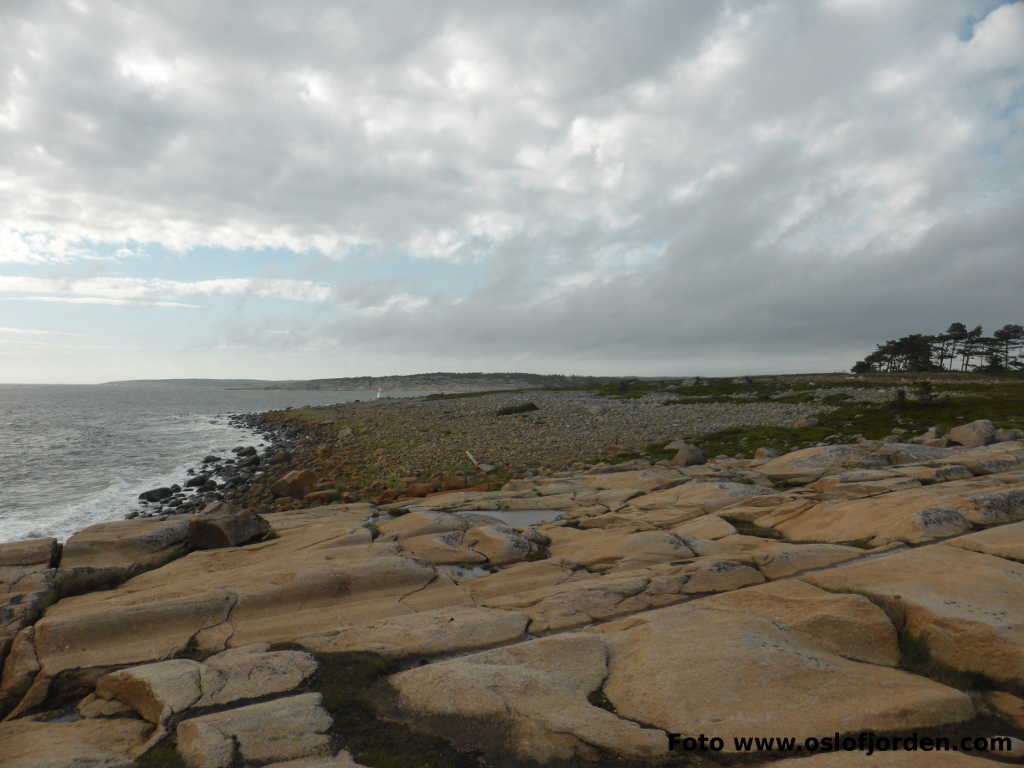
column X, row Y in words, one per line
column 689, row 455
column 976, row 433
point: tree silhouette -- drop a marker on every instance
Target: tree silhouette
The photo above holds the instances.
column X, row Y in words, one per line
column 1004, row 350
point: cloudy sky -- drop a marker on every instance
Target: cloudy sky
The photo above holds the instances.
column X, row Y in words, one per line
column 308, row 188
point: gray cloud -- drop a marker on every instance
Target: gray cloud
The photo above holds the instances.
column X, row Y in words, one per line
column 648, row 186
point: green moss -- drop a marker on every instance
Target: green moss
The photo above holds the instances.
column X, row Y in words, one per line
column 541, row 553
column 349, row 683
column 520, row 408
column 836, row 398
column 621, row 458
column 464, row 395
column 599, row 699
column 996, row 401
column 191, row 651
column 659, row 451
column 373, row 528
column 702, row 400
column 163, row 755
column 803, row 397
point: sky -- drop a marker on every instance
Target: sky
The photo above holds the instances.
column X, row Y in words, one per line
column 305, row 188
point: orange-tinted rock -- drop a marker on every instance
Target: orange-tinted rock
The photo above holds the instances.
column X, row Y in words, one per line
column 453, row 483
column 222, row 525
column 420, row 489
column 325, row 496
column 296, row 484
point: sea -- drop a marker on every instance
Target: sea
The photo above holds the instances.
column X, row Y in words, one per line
column 74, row 455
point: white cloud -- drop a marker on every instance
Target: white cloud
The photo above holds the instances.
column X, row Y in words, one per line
column 399, row 302
column 106, row 301
column 998, row 40
column 129, row 289
column 35, row 332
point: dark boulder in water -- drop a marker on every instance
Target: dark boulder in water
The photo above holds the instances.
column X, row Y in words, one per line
column 197, row 481
column 156, row 494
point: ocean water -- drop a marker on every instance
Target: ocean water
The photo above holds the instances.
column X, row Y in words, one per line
column 71, row 456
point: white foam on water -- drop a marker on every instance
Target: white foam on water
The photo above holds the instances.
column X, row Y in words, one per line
column 193, row 437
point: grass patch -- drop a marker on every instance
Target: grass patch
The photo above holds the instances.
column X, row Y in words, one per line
column 349, row 682
column 463, row 395
column 652, row 452
column 998, row 401
column 702, row 400
column 659, row 451
column 836, row 398
column 599, row 699
column 163, row 755
column 520, row 408
column 621, row 458
column 191, row 651
column 540, row 553
column 802, row 397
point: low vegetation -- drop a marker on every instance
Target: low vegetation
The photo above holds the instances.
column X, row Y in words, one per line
column 942, row 402
column 521, row 408
column 366, row 449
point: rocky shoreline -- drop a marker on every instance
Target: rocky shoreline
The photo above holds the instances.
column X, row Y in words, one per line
column 216, row 478
column 871, row 585
column 426, row 443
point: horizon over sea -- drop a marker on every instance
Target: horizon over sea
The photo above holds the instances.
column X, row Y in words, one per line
column 72, row 455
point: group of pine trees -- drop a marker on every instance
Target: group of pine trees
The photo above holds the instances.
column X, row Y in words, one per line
column 958, row 349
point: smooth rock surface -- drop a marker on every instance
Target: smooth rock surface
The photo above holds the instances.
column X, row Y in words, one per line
column 809, row 464
column 429, row 633
column 30, row 743
column 130, row 545
column 965, row 605
column 693, row 669
column 533, row 697
column 273, row 731
column 32, row 553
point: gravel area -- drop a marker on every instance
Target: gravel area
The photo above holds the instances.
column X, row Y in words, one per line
column 411, row 437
